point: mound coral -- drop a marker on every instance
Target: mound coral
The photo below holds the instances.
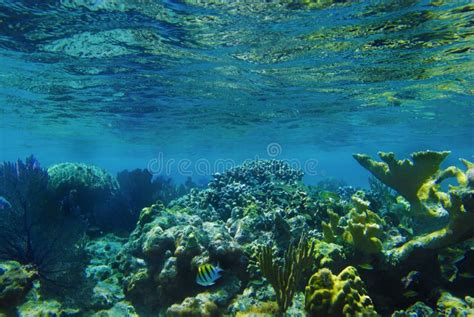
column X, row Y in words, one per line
column 329, row 295
column 91, row 190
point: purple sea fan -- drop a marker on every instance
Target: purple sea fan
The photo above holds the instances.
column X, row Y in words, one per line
column 32, row 229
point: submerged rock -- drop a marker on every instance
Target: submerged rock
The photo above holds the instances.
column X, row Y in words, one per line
column 419, row 309
column 122, row 308
column 46, row 308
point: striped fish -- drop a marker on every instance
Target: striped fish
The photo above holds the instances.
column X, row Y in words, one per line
column 208, row 274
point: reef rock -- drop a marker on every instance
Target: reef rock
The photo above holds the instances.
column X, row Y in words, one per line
column 172, row 244
column 15, row 282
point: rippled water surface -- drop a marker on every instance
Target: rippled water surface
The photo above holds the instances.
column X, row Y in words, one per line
column 117, row 82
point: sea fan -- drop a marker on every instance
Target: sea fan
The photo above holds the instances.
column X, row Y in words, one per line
column 33, row 230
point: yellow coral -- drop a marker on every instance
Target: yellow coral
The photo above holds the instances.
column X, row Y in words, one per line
column 459, row 204
column 331, row 230
column 364, row 228
column 411, row 179
column 342, row 295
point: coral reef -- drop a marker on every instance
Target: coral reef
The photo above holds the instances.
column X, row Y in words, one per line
column 419, row 309
column 419, row 183
column 173, row 244
column 193, row 307
column 449, row 305
column 258, row 222
column 91, row 182
column 337, row 295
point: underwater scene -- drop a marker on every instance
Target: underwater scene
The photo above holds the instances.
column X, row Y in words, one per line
column 247, row 158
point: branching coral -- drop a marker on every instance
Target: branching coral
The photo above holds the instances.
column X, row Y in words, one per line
column 363, row 229
column 419, row 182
column 285, row 279
column 329, row 295
column 405, row 176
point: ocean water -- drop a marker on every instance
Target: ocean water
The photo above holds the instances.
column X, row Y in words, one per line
column 194, row 87
column 119, row 83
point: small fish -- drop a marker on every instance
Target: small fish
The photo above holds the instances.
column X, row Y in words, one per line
column 366, row 266
column 410, row 279
column 208, row 274
column 466, row 275
column 4, row 204
column 410, row 294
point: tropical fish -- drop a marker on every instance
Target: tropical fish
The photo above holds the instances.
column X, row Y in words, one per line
column 410, row 294
column 4, row 204
column 366, row 266
column 411, row 278
column 208, row 274
column 466, row 275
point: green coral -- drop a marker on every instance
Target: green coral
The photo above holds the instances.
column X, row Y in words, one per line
column 448, row 305
column 251, row 209
column 329, row 295
column 459, row 203
column 419, row 182
column 37, row 307
column 363, row 229
column 286, row 278
column 331, row 229
column 411, row 179
column 81, row 177
column 329, row 255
